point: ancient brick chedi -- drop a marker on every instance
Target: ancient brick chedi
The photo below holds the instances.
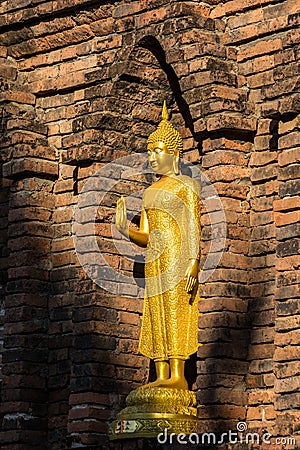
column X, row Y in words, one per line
column 82, row 84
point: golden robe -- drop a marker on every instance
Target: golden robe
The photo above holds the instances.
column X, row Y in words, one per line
column 170, row 316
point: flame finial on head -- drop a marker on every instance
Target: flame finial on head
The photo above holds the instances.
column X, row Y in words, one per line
column 167, row 134
column 164, row 112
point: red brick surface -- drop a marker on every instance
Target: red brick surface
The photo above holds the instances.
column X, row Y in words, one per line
column 81, row 85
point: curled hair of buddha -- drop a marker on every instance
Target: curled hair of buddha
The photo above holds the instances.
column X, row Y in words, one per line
column 167, row 134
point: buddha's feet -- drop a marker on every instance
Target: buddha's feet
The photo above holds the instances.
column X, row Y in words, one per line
column 153, row 384
column 171, row 383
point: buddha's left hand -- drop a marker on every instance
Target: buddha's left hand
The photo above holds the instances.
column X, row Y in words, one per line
column 191, row 275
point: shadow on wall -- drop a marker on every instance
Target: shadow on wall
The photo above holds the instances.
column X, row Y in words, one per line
column 152, row 44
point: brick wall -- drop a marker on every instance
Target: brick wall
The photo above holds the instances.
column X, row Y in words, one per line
column 81, row 86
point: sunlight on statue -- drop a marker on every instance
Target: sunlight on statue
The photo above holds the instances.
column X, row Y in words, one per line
column 170, row 230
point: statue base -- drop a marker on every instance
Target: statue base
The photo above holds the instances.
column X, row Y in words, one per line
column 151, row 411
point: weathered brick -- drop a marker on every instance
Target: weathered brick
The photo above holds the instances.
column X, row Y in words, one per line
column 289, row 125
column 288, row 278
column 288, row 401
column 265, row 396
column 288, row 157
column 261, row 335
column 261, row 79
column 42, row 44
column 30, row 166
column 289, row 188
column 259, row 413
column 261, row 48
column 290, row 338
column 262, row 204
column 261, row 218
column 264, row 173
column 263, row 158
column 235, row 6
column 287, row 369
column 282, row 219
column 279, row 88
column 288, row 248
column 261, row 366
column 291, row 172
column 288, row 263
column 98, row 96
column 261, row 351
column 228, row 122
column 287, row 323
column 289, row 141
column 286, row 204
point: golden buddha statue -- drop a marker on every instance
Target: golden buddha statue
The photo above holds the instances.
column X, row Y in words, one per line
column 170, row 230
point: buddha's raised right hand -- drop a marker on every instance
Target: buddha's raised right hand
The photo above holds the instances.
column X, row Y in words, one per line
column 121, row 216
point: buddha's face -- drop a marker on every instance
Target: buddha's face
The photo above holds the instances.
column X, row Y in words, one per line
column 160, row 159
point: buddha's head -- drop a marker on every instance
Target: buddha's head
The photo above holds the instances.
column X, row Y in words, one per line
column 164, row 147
